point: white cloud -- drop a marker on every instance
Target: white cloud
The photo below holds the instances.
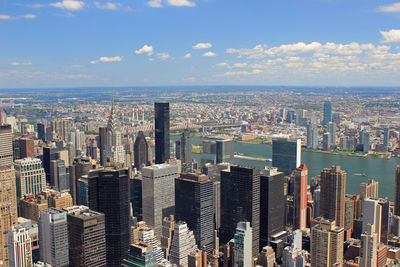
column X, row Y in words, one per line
column 155, row 3
column 393, row 8
column 188, row 55
column 180, row 3
column 209, row 54
column 189, row 79
column 240, row 65
column 21, row 63
column 222, row 64
column 392, row 36
column 73, row 5
column 9, row 17
column 108, row 5
column 202, row 46
column 163, row 56
column 107, row 59
column 146, row 49
column 241, row 73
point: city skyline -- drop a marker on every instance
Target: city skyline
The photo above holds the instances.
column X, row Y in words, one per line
column 73, row 43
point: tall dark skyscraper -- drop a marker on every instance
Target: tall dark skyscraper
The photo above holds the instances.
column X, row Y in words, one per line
column 224, row 151
column 286, row 154
column 194, row 204
column 108, row 193
column 327, row 113
column 41, row 129
column 102, row 144
column 161, row 117
column 240, row 201
column 272, row 205
column 141, row 151
column 49, row 154
column 184, row 151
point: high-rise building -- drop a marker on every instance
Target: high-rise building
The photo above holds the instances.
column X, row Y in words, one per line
column 102, row 143
column 333, row 194
column 41, row 130
column 240, row 201
column 185, row 151
column 146, row 235
column 225, row 151
column 397, row 192
column 168, row 227
column 385, row 207
column 183, row 243
column 286, row 154
column 326, row 244
column 59, row 175
column 369, row 247
column 141, row 151
column 23, row 148
column 312, row 136
column 161, row 125
column 30, row 176
column 108, row 193
column 6, row 150
column 19, row 247
column 272, row 205
column 53, row 237
column 114, row 150
column 136, row 196
column 140, row 255
column 326, row 141
column 364, row 141
column 332, row 134
column 49, row 154
column 300, row 197
column 372, row 216
column 194, row 204
column 87, row 241
column 327, row 113
column 386, row 137
column 243, row 245
column 79, row 167
column 369, row 189
column 3, row 117
column 158, row 194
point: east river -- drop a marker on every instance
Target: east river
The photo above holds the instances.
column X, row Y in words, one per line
column 382, row 170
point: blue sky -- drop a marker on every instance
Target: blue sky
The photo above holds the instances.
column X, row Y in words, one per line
column 73, row 43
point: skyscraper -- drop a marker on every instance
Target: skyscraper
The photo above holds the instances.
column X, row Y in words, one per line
column 59, row 175
column 108, row 193
column 364, row 141
column 312, row 136
column 243, row 245
column 224, row 151
column 369, row 247
column 327, row 113
column 333, row 194
column 19, row 247
column 183, row 243
column 194, row 204
column 53, row 237
column 386, row 137
column 87, row 241
column 41, row 130
column 102, row 145
column 30, row 177
column 286, row 154
column 114, row 149
column 326, row 244
column 372, row 216
column 6, row 150
column 79, row 167
column 272, row 205
column 397, row 192
column 185, row 153
column 141, row 151
column 240, row 201
column 332, row 134
column 158, row 194
column 23, row 148
column 161, row 125
column 300, row 197
column 49, row 154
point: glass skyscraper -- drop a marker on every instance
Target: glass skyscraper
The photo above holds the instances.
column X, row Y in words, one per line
column 286, row 154
column 161, row 121
column 327, row 112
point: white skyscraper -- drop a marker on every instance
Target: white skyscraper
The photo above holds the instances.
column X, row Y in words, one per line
column 243, row 245
column 372, row 214
column 19, row 247
column 183, row 243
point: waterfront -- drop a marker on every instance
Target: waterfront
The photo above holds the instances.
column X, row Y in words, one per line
column 382, row 170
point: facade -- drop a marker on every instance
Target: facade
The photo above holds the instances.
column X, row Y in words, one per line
column 224, row 151
column 333, row 194
column 272, row 205
column 53, row 237
column 183, row 243
column 240, row 201
column 312, row 136
column 158, row 194
column 194, row 204
column 300, row 197
column 326, row 244
column 6, row 150
column 327, row 113
column 369, row 189
column 87, row 241
column 141, row 151
column 23, row 148
column 30, row 176
column 140, row 255
column 19, row 247
column 286, row 154
column 136, row 197
column 243, row 245
column 161, row 125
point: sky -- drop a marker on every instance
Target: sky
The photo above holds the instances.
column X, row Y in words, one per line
column 80, row 43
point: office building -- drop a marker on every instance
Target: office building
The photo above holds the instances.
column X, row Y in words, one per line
column 30, row 207
column 136, row 197
column 364, row 141
column 224, row 151
column 6, row 150
column 41, row 130
column 272, row 205
column 30, row 176
column 108, row 193
column 102, row 143
column 333, row 194
column 326, row 141
column 300, row 176
column 168, row 227
column 146, row 235
column 286, row 154
column 158, row 192
column 385, row 207
column 141, row 151
column 327, row 113
column 19, row 247
column 23, row 148
column 194, row 204
column 161, row 125
column 326, row 244
column 183, row 243
column 59, row 175
column 372, row 216
column 369, row 247
column 386, row 138
column 140, row 255
column 87, row 241
column 240, row 201
column 53, row 237
column 114, row 150
column 312, row 136
column 397, row 192
column 79, row 167
column 184, row 151
column 49, row 154
column 332, row 134
column 243, row 245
